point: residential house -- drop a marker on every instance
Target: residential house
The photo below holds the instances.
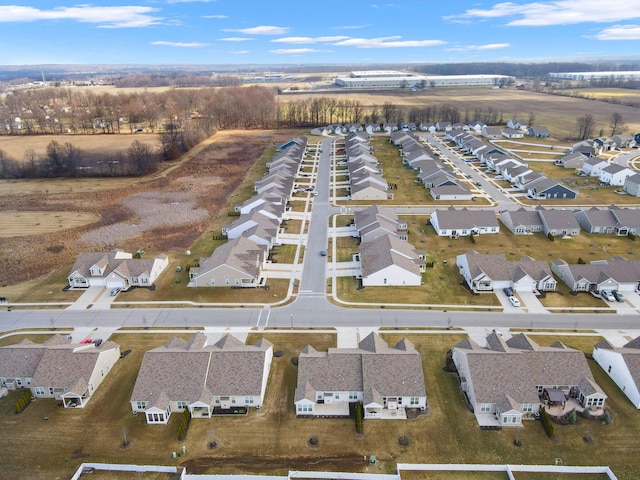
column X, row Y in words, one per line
column 596, row 220
column 539, row 131
column 451, row 192
column 545, row 188
column 493, row 133
column 517, row 124
column 375, row 221
column 387, row 380
column 593, row 166
column 558, row 222
column 572, row 160
column 57, row 368
column 628, row 220
column 387, row 261
column 615, row 174
column 224, row 378
column 615, row 274
column 462, row 222
column 512, row 133
column 509, row 381
column 493, row 272
column 237, row 263
column 632, row 185
column 115, row 269
column 522, row 221
column 260, row 226
column 622, row 365
column 624, row 140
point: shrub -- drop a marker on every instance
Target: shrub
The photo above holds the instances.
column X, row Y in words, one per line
column 551, row 237
column 573, row 417
column 586, row 413
column 547, row 424
column 472, row 238
column 184, row 424
column 23, row 401
column 359, row 418
column 581, row 261
column 632, row 236
column 607, row 418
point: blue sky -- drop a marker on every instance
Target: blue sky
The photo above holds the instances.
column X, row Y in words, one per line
column 307, row 31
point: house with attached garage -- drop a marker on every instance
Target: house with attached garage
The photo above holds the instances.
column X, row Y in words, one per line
column 115, row 269
column 493, row 272
column 387, row 261
column 522, row 221
column 628, row 220
column 539, row 131
column 615, row 174
column 451, row 192
column 558, row 222
column 387, row 380
column 375, row 221
column 226, row 377
column 632, row 185
column 598, row 220
column 615, row 274
column 545, row 188
column 509, row 381
column 622, row 365
column 572, row 160
column 512, row 133
column 69, row 372
column 237, row 263
column 493, row 133
column 453, row 222
column 517, row 124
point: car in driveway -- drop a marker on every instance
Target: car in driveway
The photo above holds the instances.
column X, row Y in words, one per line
column 85, row 341
column 618, row 296
column 607, row 295
column 115, row 291
column 508, row 291
column 514, row 301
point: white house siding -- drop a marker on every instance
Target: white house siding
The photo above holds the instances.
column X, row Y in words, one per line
column 614, row 365
column 391, row 276
column 632, row 187
column 268, row 358
column 106, row 361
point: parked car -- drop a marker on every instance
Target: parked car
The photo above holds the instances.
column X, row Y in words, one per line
column 85, row 341
column 115, row 291
column 607, row 295
column 618, row 296
column 508, row 291
column 514, row 301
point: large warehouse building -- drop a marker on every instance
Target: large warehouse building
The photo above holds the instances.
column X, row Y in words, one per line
column 395, row 79
column 587, row 76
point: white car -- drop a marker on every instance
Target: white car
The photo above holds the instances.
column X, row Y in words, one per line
column 607, row 295
column 514, row 301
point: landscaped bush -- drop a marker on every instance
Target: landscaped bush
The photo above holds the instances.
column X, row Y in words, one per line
column 359, row 418
column 632, row 236
column 607, row 418
column 185, row 420
column 586, row 413
column 547, row 424
column 551, row 237
column 472, row 238
column 23, row 402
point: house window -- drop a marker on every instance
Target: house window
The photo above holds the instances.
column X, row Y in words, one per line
column 248, row 400
column 337, row 396
column 527, row 407
column 485, row 407
column 141, row 405
column 50, row 390
column 609, row 369
column 549, row 285
column 236, row 281
column 353, row 395
column 226, row 281
column 233, row 400
column 385, row 281
column 414, row 401
column 305, row 407
column 212, row 282
column 134, row 280
column 182, row 405
column 28, row 380
column 540, row 389
column 39, row 390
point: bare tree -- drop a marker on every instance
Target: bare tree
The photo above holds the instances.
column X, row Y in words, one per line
column 55, row 155
column 617, row 124
column 141, row 157
column 585, row 124
column 388, row 111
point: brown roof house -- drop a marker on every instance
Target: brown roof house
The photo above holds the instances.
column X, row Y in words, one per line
column 226, row 377
column 509, row 381
column 615, row 274
column 115, row 269
column 58, row 368
column 389, row 261
column 387, row 380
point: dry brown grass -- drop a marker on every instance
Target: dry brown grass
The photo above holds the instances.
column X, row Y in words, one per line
column 24, row 223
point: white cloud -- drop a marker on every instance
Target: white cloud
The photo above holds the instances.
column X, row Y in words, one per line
column 190, row 1
column 488, row 46
column 619, row 32
column 214, row 16
column 387, row 42
column 261, row 30
column 296, row 51
column 385, row 5
column 105, row 17
column 239, row 52
column 352, row 27
column 235, row 39
column 305, row 40
column 181, row 44
column 558, row 12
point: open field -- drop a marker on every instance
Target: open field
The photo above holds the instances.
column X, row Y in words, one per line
column 613, row 95
column 16, row 146
column 558, row 113
column 23, row 223
column 273, row 440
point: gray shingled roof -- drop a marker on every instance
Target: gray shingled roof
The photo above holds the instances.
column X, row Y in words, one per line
column 182, row 370
column 373, row 367
column 516, row 372
column 385, row 251
column 498, row 268
column 462, row 218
